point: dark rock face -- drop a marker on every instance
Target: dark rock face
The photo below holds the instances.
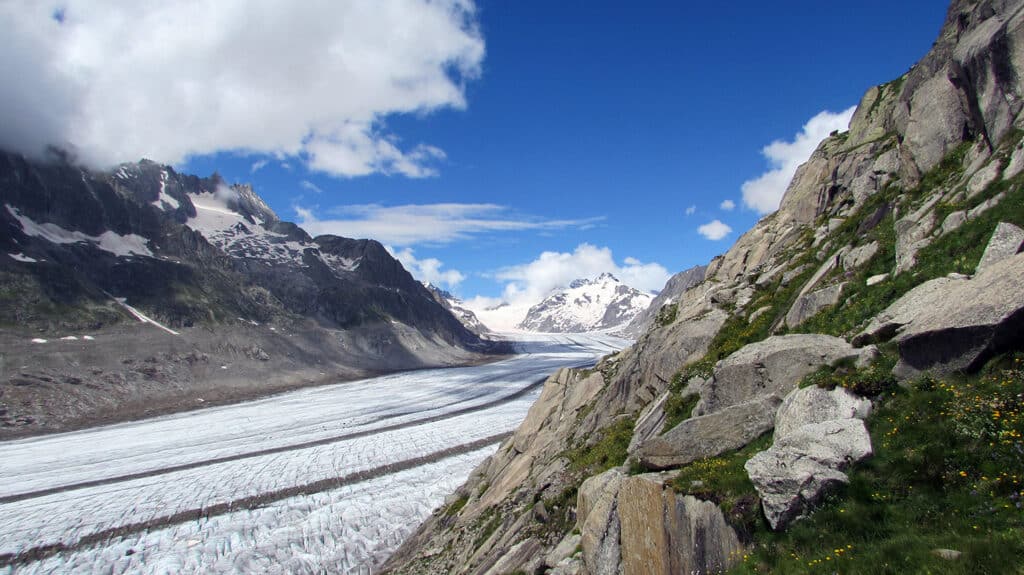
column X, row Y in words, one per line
column 72, row 240
column 675, row 287
column 457, row 309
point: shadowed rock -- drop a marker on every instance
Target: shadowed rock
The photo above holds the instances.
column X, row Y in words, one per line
column 955, row 324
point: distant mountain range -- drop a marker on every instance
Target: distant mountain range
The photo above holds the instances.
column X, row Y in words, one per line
column 603, row 303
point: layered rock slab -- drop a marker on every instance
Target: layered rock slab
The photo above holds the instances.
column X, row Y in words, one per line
column 710, row 435
column 664, row 532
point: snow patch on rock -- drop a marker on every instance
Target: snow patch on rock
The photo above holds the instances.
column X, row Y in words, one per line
column 108, row 241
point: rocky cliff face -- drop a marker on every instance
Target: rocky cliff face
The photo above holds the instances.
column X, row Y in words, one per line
column 662, row 308
column 926, row 183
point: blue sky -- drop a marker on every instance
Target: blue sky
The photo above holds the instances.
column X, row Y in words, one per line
column 621, row 117
column 472, row 138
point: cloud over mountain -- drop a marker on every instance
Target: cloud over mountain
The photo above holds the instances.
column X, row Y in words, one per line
column 167, row 79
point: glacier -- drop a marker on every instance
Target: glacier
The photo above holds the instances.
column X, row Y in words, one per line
column 321, row 479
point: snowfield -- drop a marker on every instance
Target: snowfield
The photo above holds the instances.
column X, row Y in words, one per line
column 322, row 479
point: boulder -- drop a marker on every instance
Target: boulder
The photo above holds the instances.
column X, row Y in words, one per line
column 913, row 233
column 773, row 366
column 710, row 435
column 807, row 306
column 597, row 516
column 875, row 280
column 571, row 566
column 829, row 265
column 983, row 178
column 953, row 221
column 884, row 326
column 692, row 536
column 985, row 206
column 803, row 466
column 1006, row 242
column 947, row 554
column 859, row 256
column 955, row 324
column 816, row 405
column 976, row 320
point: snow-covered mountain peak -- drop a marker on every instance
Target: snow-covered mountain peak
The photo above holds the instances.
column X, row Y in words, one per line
column 603, row 278
column 594, row 304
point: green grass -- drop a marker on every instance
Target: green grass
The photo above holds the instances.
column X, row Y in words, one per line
column 456, row 506
column 667, row 314
column 561, row 512
column 488, row 522
column 678, row 409
column 607, row 452
column 948, row 472
column 872, row 381
column 958, row 251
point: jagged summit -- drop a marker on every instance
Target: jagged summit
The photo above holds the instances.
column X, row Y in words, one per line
column 600, row 303
column 457, row 308
column 605, row 277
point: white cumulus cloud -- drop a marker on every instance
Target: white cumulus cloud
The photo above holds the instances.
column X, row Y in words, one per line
column 427, row 269
column 166, row 79
column 529, row 283
column 427, row 223
column 728, row 205
column 714, row 230
column 764, row 193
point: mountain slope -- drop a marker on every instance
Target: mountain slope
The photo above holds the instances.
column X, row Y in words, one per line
column 87, row 252
column 456, row 307
column 674, row 287
column 587, row 305
column 880, row 215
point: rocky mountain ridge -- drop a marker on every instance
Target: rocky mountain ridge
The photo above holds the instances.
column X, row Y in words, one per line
column 84, row 252
column 601, row 303
column 895, row 255
column 458, row 309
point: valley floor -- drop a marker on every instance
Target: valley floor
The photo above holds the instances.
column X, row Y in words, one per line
column 321, row 479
